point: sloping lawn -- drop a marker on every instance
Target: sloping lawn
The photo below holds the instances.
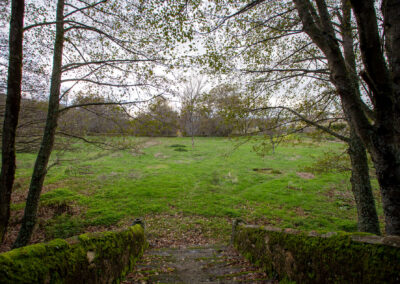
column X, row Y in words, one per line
column 179, row 190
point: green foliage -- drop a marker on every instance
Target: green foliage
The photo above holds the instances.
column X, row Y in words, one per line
column 262, row 148
column 329, row 162
column 159, row 119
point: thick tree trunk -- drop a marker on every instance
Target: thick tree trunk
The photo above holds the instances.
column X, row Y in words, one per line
column 11, row 112
column 384, row 81
column 361, row 186
column 382, row 139
column 360, row 180
column 40, row 168
column 388, row 173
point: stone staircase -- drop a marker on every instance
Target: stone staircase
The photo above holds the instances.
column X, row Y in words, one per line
column 206, row 264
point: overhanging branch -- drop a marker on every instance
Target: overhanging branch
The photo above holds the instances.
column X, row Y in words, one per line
column 106, row 103
column 306, row 120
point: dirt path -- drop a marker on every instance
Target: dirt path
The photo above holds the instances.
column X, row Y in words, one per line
column 206, row 264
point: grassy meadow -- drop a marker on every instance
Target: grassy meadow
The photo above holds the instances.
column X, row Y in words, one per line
column 185, row 192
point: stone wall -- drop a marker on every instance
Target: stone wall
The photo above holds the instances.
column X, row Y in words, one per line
column 89, row 258
column 320, row 258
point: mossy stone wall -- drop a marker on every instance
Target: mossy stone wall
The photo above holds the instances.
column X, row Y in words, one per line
column 314, row 258
column 89, row 258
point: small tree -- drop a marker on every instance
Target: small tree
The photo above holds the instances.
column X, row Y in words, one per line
column 273, row 126
column 190, row 110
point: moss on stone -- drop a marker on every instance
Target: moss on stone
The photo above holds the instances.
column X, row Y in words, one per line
column 316, row 259
column 89, row 258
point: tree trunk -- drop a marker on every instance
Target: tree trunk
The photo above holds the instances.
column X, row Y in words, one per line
column 273, row 144
column 361, row 186
column 192, row 129
column 384, row 142
column 388, row 173
column 382, row 138
column 40, row 168
column 11, row 113
column 360, row 180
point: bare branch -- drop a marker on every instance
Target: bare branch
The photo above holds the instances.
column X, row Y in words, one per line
column 304, row 71
column 106, row 103
column 82, row 138
column 308, row 121
column 44, row 24
column 71, row 66
column 83, row 8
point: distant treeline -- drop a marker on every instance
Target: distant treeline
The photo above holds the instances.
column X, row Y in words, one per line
column 210, row 114
column 207, row 117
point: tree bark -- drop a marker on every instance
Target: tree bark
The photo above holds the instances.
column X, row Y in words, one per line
column 360, row 179
column 361, row 186
column 388, row 175
column 391, row 13
column 382, row 139
column 40, row 168
column 384, row 82
column 11, row 112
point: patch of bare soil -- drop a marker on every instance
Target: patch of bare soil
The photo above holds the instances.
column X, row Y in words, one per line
column 160, row 155
column 157, row 167
column 206, row 264
column 334, row 194
column 300, row 212
column 150, row 143
column 294, row 158
column 305, row 175
column 20, row 192
column 181, row 162
column 45, row 213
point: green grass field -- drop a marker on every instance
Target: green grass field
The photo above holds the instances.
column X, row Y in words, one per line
column 178, row 190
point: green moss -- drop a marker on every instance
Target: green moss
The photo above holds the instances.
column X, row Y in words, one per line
column 63, row 226
column 306, row 259
column 137, row 229
column 60, row 261
column 84, row 237
column 17, row 206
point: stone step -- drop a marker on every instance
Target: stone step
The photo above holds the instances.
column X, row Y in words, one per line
column 206, row 264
